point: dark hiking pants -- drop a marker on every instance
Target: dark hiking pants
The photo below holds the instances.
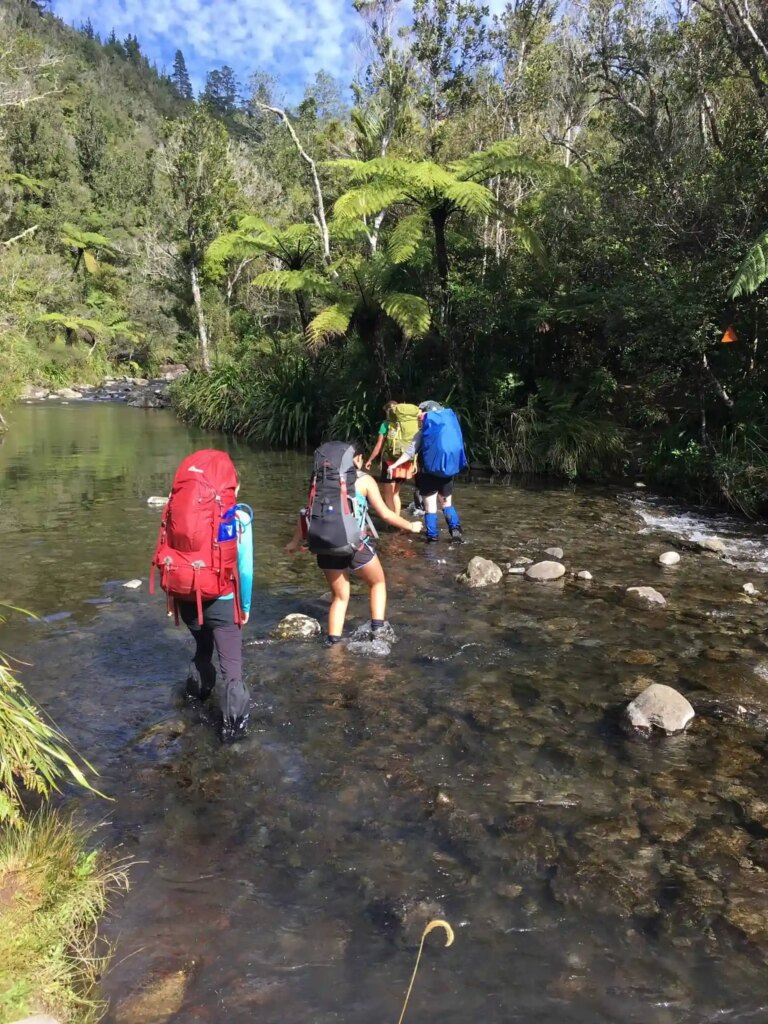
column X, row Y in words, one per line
column 218, row 632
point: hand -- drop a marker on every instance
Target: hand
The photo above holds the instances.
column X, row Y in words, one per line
column 389, row 472
column 368, row 465
column 417, row 527
column 244, row 616
column 291, row 548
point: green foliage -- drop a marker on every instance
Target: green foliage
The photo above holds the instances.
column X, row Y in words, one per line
column 54, row 893
column 36, row 757
column 753, row 270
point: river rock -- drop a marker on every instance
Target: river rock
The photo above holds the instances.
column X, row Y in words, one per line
column 132, row 585
column 750, row 589
column 155, row 501
column 33, row 393
column 522, row 560
column 480, row 572
column 555, row 553
column 669, row 558
column 712, row 544
column 68, row 393
column 516, row 570
column 370, row 648
column 39, row 1018
column 296, row 627
column 147, row 401
column 659, row 707
column 364, row 633
column 160, row 998
column 545, row 571
column 646, row 595
column 585, row 574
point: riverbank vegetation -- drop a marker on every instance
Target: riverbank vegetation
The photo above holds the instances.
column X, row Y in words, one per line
column 53, row 890
column 553, row 218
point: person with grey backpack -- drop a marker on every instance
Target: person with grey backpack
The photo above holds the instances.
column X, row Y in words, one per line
column 336, row 528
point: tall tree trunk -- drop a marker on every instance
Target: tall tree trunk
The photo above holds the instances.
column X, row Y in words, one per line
column 439, row 218
column 380, row 356
column 303, row 306
column 202, row 330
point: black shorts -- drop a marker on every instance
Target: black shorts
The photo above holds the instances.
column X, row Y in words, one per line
column 429, row 484
column 348, row 563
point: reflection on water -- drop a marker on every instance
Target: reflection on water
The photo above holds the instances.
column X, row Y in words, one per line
column 477, row 772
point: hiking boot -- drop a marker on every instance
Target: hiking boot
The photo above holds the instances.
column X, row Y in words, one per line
column 233, row 729
column 456, row 535
column 431, row 540
column 331, row 641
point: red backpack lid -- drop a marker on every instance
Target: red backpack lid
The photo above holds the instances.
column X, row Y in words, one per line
column 215, row 466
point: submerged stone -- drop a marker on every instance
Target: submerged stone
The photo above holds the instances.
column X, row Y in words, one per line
column 555, row 553
column 646, row 595
column 296, row 627
column 659, row 707
column 711, row 544
column 669, row 558
column 370, row 648
column 480, row 572
column 155, row 501
column 132, row 585
column 544, row 572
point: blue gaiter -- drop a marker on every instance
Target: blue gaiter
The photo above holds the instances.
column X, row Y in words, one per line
column 451, row 517
column 430, row 524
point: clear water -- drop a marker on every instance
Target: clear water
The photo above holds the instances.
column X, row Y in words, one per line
column 478, row 772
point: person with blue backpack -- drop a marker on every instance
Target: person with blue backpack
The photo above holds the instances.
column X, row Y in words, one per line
column 439, row 445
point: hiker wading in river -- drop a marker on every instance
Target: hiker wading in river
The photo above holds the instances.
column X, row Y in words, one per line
column 204, row 556
column 336, row 528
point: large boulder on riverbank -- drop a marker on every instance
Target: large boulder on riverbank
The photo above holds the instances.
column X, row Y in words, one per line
column 296, row 627
column 68, row 393
column 480, row 572
column 545, row 572
column 658, row 707
column 711, row 545
column 33, row 393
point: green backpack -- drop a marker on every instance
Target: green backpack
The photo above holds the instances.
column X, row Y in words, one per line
column 403, row 423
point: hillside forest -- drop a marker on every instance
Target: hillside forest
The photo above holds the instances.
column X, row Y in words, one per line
column 554, row 218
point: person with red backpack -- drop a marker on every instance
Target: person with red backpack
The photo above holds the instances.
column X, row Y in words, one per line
column 204, row 555
column 336, row 528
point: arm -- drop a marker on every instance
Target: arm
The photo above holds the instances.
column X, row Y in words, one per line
column 410, row 451
column 245, row 561
column 376, row 451
column 296, row 540
column 370, row 489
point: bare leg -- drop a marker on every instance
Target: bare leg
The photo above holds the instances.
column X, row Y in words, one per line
column 372, row 575
column 339, row 584
column 388, row 493
column 396, row 504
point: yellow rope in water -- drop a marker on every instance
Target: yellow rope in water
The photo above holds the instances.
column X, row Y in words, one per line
column 448, row 941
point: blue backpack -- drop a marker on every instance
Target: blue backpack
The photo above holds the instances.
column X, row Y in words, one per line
column 442, row 444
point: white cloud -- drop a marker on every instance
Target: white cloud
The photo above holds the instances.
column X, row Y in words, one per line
column 280, row 36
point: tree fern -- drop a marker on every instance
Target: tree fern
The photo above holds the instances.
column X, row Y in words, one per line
column 753, row 270
column 331, row 322
column 306, row 280
column 406, row 237
column 409, row 312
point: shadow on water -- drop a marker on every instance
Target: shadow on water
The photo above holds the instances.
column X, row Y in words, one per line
column 478, row 772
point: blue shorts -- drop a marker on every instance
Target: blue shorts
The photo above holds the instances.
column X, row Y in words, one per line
column 348, row 563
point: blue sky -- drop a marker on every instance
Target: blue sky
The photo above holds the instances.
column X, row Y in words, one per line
column 290, row 39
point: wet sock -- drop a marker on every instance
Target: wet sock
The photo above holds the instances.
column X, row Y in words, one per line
column 430, row 525
column 452, row 517
column 376, row 624
column 330, row 640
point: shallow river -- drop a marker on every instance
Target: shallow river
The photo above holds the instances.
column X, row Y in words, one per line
column 478, row 773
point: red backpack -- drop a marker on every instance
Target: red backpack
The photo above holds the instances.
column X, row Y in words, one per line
column 196, row 551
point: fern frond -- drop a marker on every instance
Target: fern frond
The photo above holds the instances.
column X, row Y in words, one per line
column 331, row 322
column 368, row 200
column 753, row 270
column 471, row 198
column 73, row 323
column 530, row 241
column 410, row 313
column 406, row 237
column 294, row 281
